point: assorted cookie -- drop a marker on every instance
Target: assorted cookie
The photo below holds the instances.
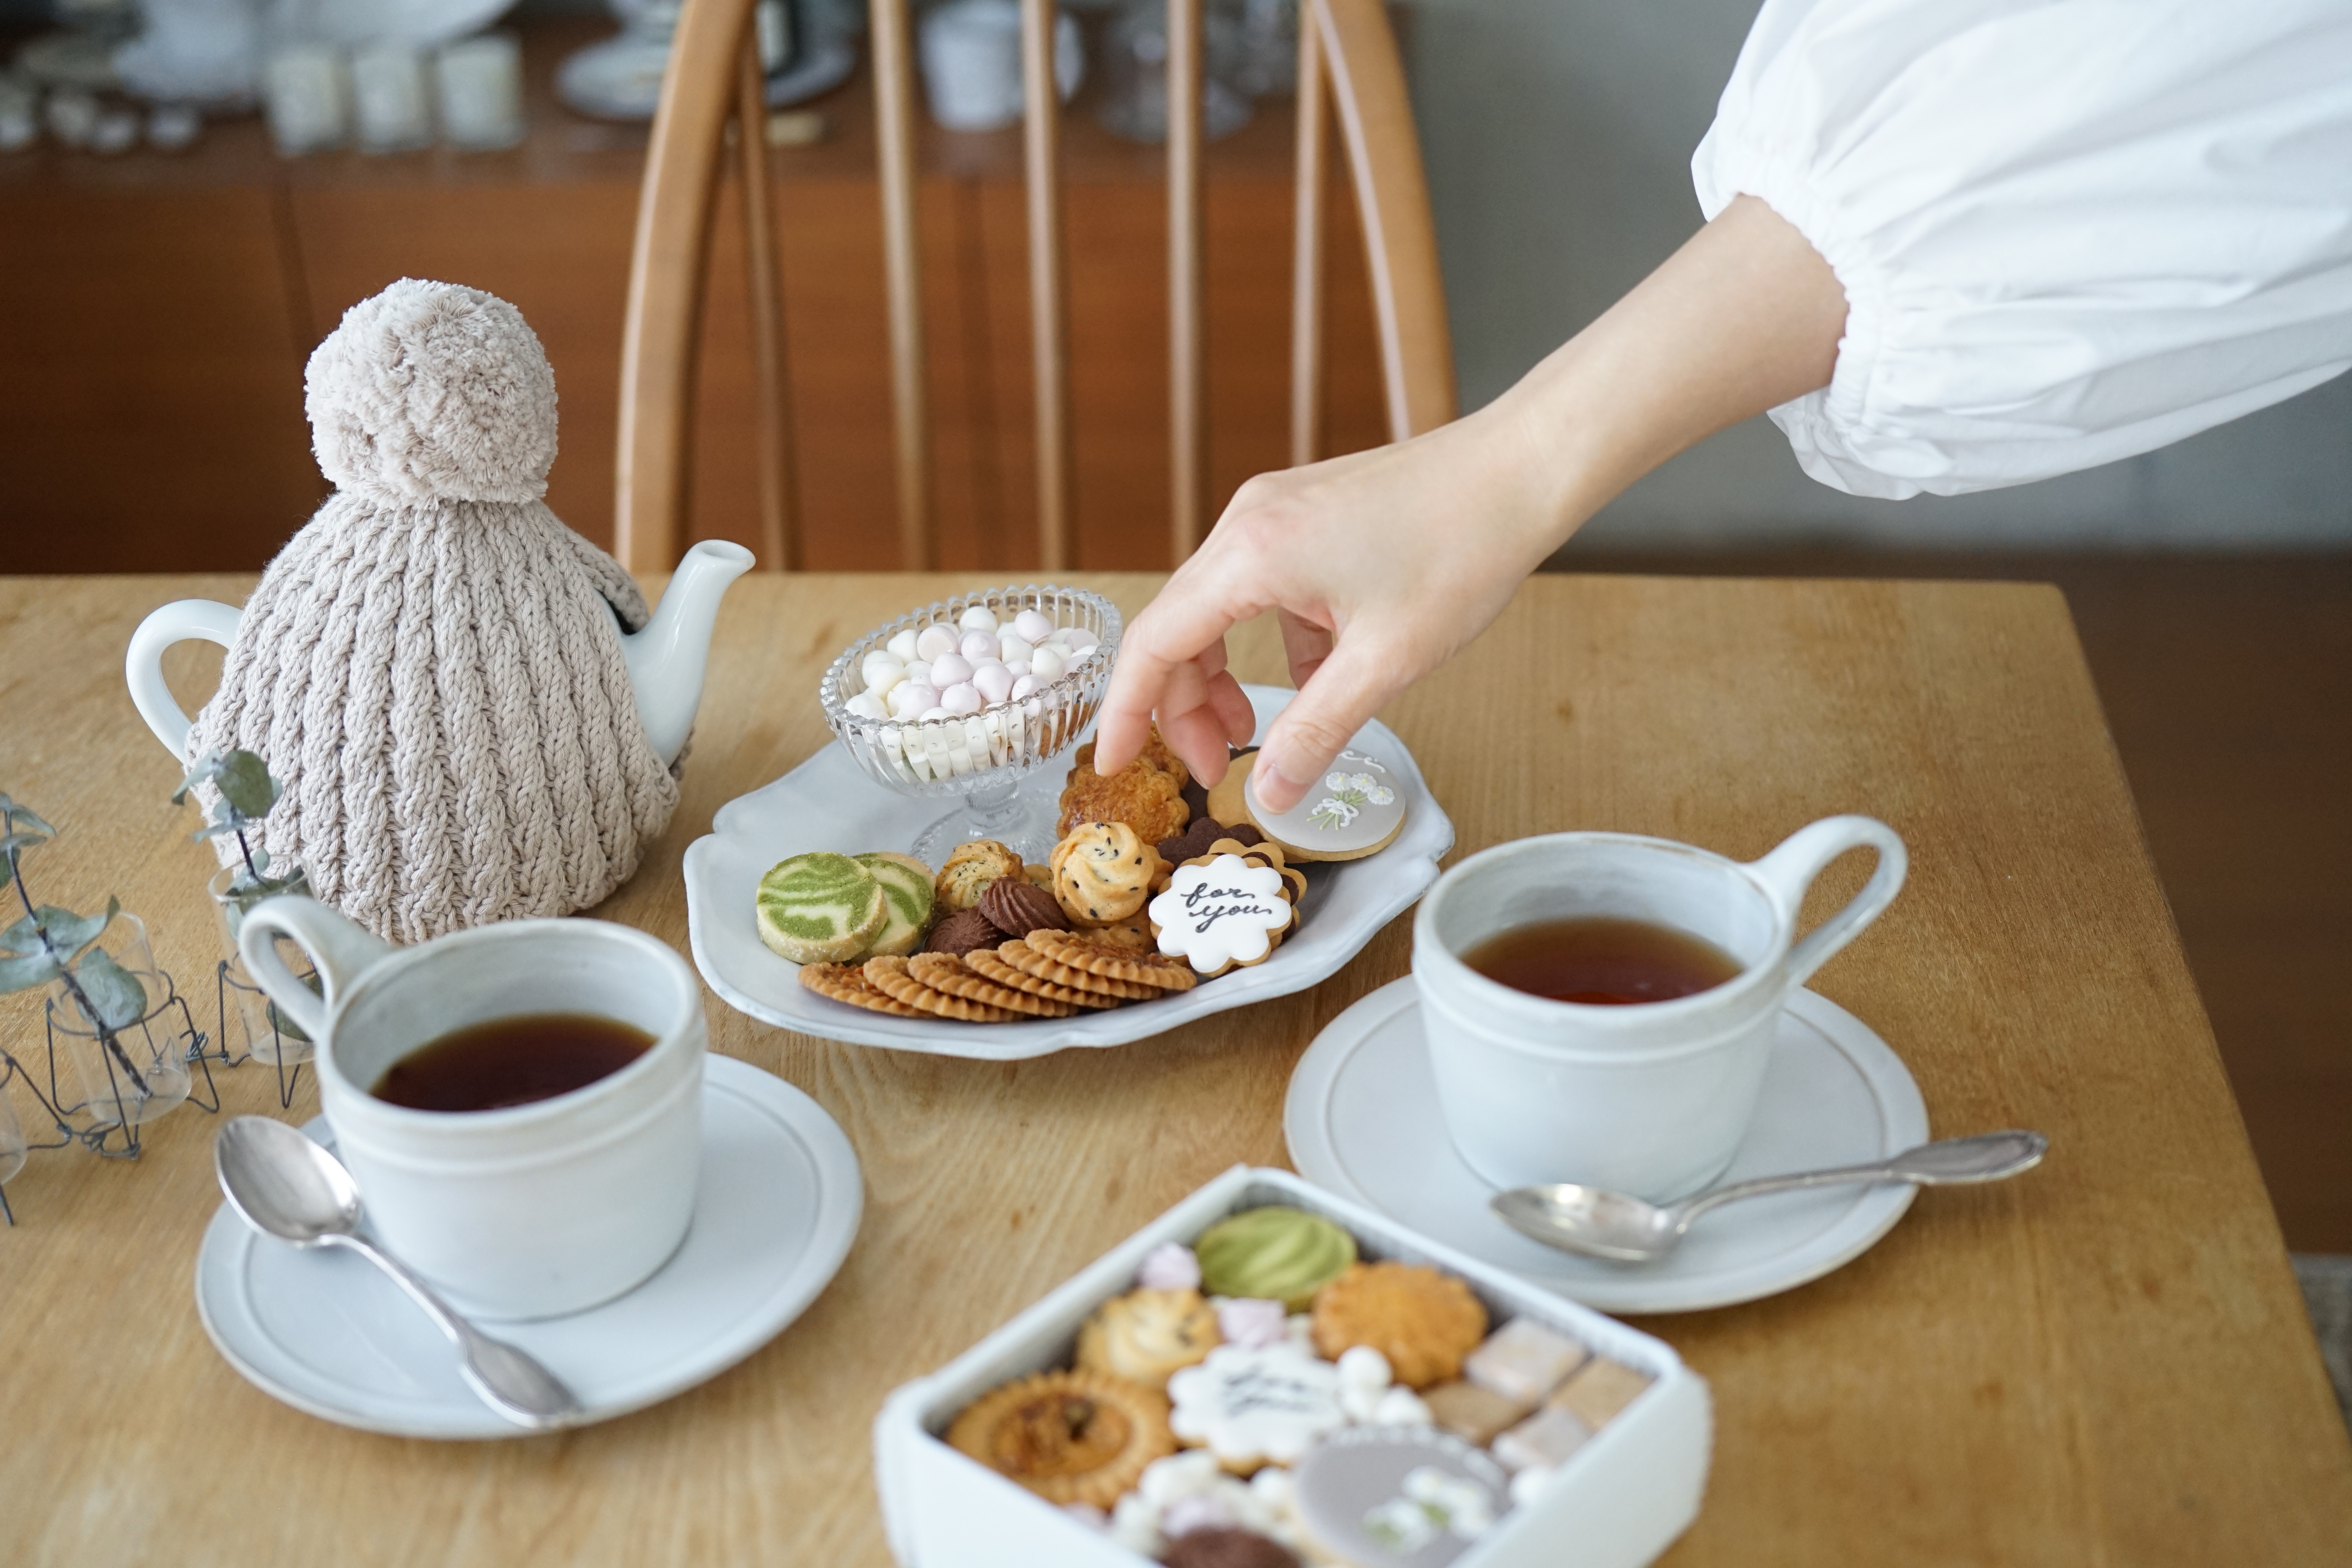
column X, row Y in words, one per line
column 1295, row 1434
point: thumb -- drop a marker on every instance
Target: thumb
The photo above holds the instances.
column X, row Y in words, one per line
column 1338, row 699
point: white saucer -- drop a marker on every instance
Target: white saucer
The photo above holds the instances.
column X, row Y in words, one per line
column 777, row 1209
column 1362, row 1120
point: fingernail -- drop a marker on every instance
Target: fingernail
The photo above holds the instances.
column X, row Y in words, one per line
column 1271, row 782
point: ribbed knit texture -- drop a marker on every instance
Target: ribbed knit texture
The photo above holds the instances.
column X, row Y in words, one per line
column 437, row 677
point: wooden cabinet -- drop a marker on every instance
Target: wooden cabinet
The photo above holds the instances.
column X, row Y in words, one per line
column 156, row 310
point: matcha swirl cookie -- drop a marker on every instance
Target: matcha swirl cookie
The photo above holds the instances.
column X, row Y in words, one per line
column 1273, row 1254
column 820, row 907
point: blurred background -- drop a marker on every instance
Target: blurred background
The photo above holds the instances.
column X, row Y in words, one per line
column 169, row 254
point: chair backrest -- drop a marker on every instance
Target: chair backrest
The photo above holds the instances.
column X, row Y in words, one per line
column 1347, row 62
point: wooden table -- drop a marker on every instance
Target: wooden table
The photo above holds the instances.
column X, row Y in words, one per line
column 2103, row 1363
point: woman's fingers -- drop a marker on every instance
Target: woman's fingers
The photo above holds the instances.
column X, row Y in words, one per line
column 1339, row 700
column 1305, row 644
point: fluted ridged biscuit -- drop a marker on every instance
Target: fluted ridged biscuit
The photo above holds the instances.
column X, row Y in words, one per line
column 944, row 972
column 846, row 983
column 984, row 962
column 1020, row 956
column 889, row 976
column 1069, row 1436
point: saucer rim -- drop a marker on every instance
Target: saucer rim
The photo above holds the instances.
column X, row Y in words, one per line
column 1876, row 1211
column 841, row 1199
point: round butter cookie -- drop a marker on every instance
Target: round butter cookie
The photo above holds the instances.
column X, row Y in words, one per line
column 1424, row 1322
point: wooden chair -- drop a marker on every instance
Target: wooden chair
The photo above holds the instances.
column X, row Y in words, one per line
column 1347, row 61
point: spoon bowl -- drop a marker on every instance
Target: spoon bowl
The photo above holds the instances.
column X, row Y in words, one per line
column 287, row 1186
column 1622, row 1228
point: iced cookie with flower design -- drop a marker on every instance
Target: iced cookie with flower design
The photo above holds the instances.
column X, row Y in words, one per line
column 1356, row 809
column 1256, row 1407
column 1226, row 912
column 1398, row 1497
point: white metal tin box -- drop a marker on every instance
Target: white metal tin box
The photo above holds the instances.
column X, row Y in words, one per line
column 1618, row 1503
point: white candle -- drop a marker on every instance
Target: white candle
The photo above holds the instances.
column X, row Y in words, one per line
column 306, row 92
column 389, row 99
column 481, row 92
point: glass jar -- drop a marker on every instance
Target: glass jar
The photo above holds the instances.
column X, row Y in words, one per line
column 131, row 1075
column 269, row 1035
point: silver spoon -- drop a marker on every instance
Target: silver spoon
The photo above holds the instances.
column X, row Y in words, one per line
column 287, row 1186
column 1625, row 1229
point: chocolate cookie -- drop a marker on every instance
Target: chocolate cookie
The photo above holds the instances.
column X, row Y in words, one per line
column 1016, row 908
column 963, row 931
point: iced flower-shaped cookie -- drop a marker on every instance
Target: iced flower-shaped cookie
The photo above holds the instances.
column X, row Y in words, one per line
column 1255, row 1406
column 1221, row 914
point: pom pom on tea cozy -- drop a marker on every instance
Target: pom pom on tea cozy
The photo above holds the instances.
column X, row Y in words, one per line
column 433, row 391
column 432, row 664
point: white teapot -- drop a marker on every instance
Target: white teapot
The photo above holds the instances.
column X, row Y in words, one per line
column 475, row 715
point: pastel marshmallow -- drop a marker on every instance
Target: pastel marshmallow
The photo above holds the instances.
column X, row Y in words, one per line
column 935, row 641
column 949, row 669
column 1024, row 685
column 878, row 685
column 977, row 618
column 879, row 663
column 961, row 698
column 902, row 646
column 1078, row 637
column 977, row 645
column 1031, row 627
column 993, row 682
column 1012, row 649
column 866, row 705
column 1046, row 663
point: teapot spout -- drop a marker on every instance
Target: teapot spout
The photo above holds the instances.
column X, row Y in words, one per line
column 667, row 659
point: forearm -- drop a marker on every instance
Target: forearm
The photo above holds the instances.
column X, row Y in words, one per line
column 1744, row 317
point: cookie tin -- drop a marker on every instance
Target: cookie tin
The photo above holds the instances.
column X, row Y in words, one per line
column 1619, row 1501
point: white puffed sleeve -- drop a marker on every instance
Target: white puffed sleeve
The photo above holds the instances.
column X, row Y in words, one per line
column 2068, row 230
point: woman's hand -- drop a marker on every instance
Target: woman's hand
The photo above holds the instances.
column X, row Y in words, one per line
column 1384, row 563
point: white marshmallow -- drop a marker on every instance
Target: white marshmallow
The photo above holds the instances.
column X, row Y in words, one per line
column 961, row 698
column 977, row 645
column 978, row 618
column 993, row 682
column 878, row 687
column 1012, row 649
column 1019, row 667
column 949, row 669
column 1031, row 627
column 932, row 715
column 1401, row 1407
column 1362, row 1366
column 866, row 705
column 1023, row 685
column 1079, row 637
column 935, row 641
column 878, row 662
column 910, row 698
column 903, row 646
column 1046, row 664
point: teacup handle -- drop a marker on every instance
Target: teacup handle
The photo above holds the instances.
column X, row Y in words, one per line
column 339, row 951
column 142, row 667
column 1789, row 870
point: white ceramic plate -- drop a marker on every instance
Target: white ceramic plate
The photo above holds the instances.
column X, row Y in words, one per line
column 778, row 1206
column 826, row 803
column 1362, row 1120
column 422, row 23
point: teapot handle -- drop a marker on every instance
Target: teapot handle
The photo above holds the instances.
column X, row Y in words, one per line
column 142, row 667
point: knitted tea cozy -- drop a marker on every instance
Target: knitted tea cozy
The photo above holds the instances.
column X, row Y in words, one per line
column 432, row 665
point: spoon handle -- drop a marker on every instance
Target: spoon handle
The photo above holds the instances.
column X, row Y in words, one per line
column 1986, row 1157
column 510, row 1380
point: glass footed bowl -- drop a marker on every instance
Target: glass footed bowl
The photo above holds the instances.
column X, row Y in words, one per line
column 981, row 757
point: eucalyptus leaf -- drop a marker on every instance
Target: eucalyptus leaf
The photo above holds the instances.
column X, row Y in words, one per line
column 24, row 936
column 68, row 933
column 112, row 990
column 21, row 841
column 245, row 783
column 22, row 819
column 24, row 974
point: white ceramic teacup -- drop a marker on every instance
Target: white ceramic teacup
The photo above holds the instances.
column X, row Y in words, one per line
column 529, row 1211
column 1653, row 1098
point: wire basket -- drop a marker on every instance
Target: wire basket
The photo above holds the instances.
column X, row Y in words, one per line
column 981, row 757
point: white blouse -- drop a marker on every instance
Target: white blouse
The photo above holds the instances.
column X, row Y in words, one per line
column 2068, row 230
